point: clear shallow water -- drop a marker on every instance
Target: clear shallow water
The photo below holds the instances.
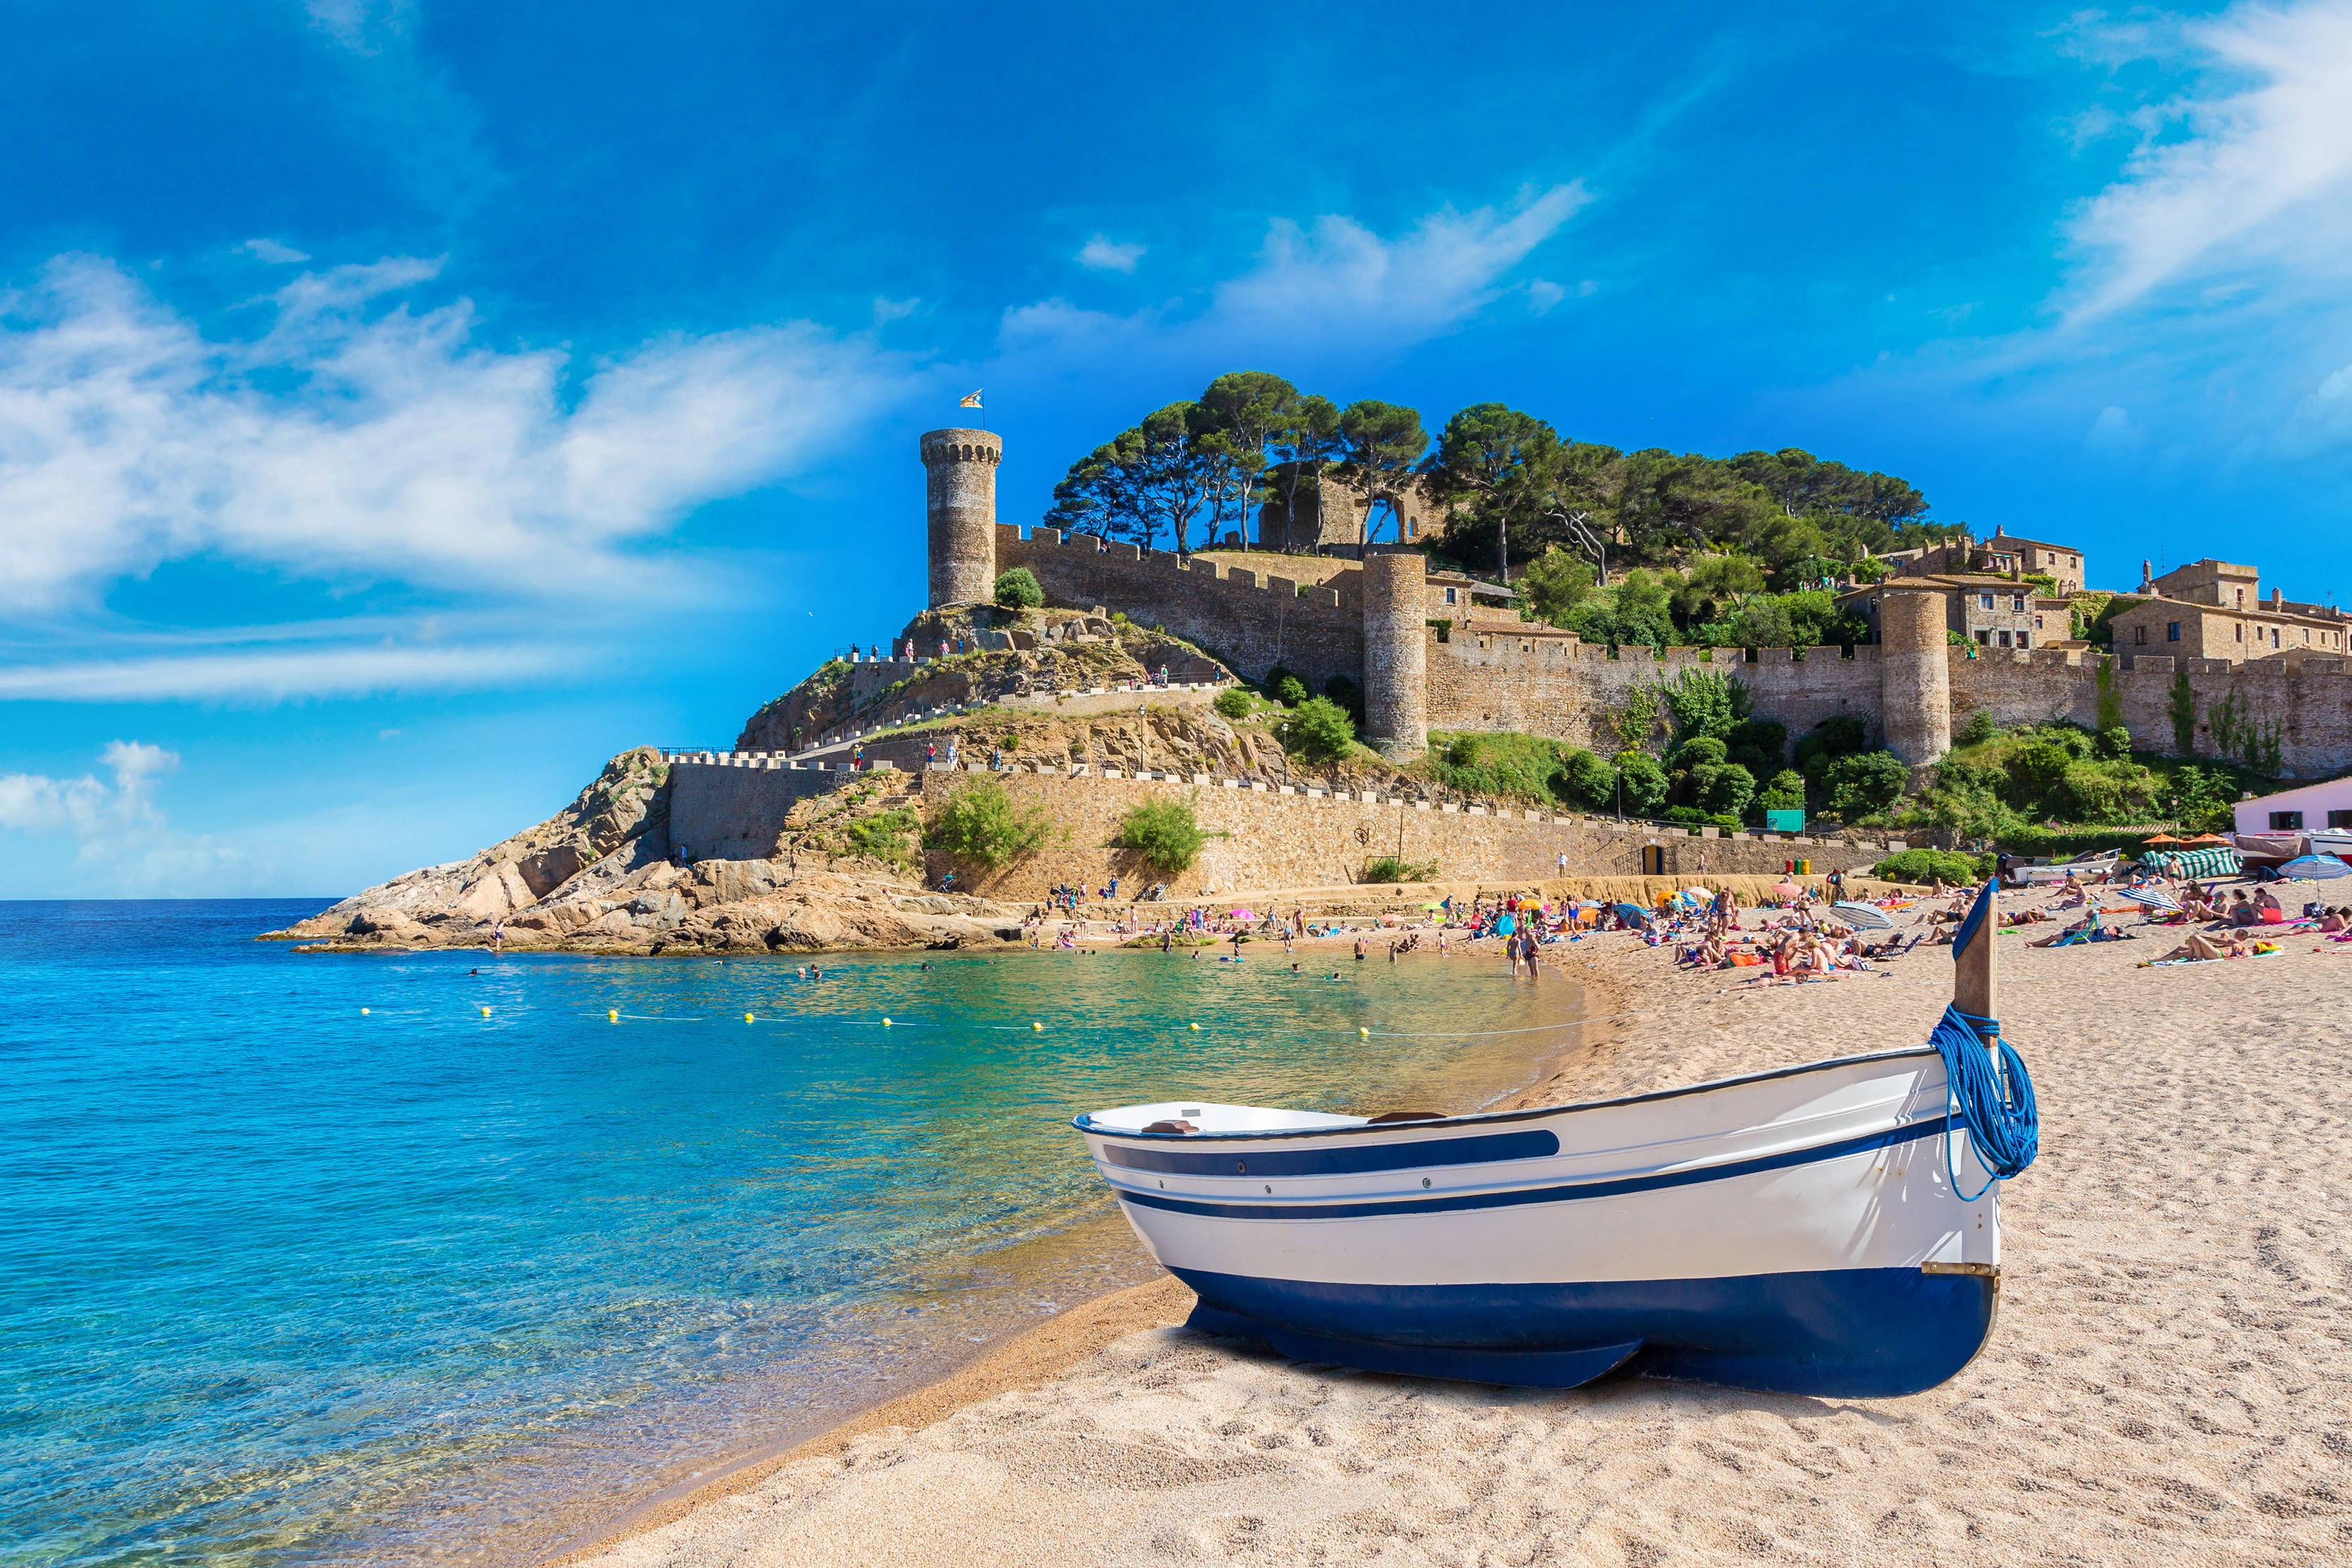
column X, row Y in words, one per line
column 283, row 1282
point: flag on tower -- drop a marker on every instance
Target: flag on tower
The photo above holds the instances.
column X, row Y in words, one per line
column 971, row 400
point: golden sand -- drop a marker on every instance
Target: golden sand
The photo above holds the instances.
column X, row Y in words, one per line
column 2167, row 1382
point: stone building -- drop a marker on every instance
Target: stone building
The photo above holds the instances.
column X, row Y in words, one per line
column 2190, row 628
column 1990, row 612
column 2003, row 555
column 1330, row 518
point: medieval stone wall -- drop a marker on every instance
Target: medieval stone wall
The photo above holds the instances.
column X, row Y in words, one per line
column 1547, row 684
column 2307, row 697
column 1250, row 620
column 736, row 811
column 1270, row 838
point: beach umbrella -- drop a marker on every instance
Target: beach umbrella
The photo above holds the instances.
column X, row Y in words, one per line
column 1786, row 890
column 2153, row 898
column 1244, row 914
column 2163, row 839
column 1865, row 917
column 2315, row 869
column 2207, row 838
column 1633, row 914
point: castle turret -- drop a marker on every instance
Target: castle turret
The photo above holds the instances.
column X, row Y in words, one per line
column 1396, row 652
column 960, row 468
column 1915, row 675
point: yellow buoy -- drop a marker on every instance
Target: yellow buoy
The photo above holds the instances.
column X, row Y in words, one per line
column 486, row 1012
column 886, row 1022
column 747, row 1017
column 1196, row 1028
column 1363, row 1031
column 1039, row 1027
column 614, row 1013
column 363, row 1011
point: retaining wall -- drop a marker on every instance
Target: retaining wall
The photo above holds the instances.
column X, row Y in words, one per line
column 1274, row 837
column 734, row 809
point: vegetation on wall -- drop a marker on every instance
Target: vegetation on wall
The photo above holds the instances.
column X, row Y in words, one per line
column 1388, row 869
column 1165, row 832
column 982, row 828
column 1920, row 867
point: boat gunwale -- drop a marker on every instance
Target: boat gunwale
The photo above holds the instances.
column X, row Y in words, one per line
column 1083, row 1121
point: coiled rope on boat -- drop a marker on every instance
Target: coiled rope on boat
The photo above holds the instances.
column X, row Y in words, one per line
column 1996, row 1103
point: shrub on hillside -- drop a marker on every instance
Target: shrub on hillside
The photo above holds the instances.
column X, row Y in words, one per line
column 1866, row 783
column 2113, row 743
column 1923, row 866
column 1166, row 833
column 1979, row 728
column 1785, row 792
column 2035, row 770
column 1233, row 703
column 1020, row 589
column 980, row 827
column 1321, row 728
column 1720, row 789
column 1586, row 782
column 1641, row 784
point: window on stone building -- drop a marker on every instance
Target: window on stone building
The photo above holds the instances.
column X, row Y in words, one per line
column 1984, row 601
column 1449, row 597
column 2004, row 639
column 2139, row 634
column 2017, row 604
column 2286, row 821
column 2238, row 632
column 2037, row 622
column 2172, row 631
column 2275, row 642
column 1985, row 637
column 2025, row 639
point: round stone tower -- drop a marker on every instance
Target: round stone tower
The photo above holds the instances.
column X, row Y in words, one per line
column 1396, row 652
column 960, row 466
column 1915, row 675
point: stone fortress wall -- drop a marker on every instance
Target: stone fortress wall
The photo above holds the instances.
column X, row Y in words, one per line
column 1913, row 687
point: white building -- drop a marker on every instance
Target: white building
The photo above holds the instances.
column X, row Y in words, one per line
column 2301, row 810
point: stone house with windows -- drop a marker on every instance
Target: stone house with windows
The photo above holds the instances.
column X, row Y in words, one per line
column 1990, row 612
column 1330, row 516
column 2003, row 555
column 2189, row 628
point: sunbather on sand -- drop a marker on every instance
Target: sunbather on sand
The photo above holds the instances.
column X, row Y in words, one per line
column 2230, row 945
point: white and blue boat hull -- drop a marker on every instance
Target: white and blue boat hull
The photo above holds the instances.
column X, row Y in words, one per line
column 1797, row 1231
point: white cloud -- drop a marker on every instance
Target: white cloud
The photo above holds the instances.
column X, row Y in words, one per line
column 1543, row 294
column 1334, row 281
column 2113, row 431
column 2263, row 177
column 122, row 840
column 276, row 676
column 274, row 253
column 358, row 441
column 1103, row 254
column 886, row 311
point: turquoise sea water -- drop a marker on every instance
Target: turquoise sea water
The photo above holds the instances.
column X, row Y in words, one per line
column 282, row 1281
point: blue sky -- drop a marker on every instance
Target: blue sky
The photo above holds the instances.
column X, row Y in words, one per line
column 405, row 407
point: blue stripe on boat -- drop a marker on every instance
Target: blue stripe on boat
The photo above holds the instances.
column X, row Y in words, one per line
column 1344, row 1161
column 1275, row 1208
column 1853, row 1333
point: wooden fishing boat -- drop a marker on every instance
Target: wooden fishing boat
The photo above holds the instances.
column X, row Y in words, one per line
column 1832, row 1228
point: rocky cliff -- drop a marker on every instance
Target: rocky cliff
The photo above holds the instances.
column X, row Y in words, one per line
column 597, row 877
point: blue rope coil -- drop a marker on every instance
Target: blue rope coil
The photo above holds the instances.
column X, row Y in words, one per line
column 2004, row 1127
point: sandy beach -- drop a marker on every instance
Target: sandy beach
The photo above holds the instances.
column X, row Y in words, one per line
column 2167, row 1380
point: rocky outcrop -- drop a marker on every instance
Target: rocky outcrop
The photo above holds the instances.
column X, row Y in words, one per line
column 596, row 877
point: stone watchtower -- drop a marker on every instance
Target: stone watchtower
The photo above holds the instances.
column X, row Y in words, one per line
column 960, row 469
column 1396, row 652
column 1915, row 674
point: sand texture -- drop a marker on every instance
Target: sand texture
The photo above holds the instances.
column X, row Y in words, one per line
column 2167, row 1382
